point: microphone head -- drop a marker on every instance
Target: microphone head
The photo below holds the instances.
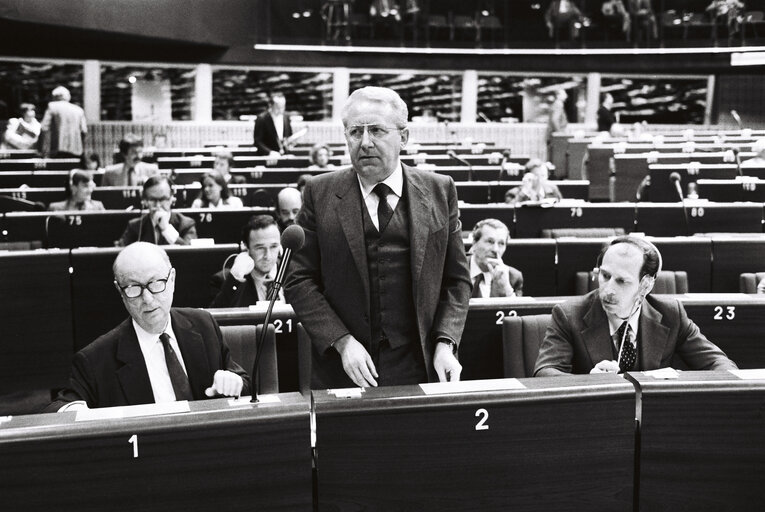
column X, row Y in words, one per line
column 736, row 151
column 506, row 153
column 451, row 153
column 674, row 177
column 293, row 238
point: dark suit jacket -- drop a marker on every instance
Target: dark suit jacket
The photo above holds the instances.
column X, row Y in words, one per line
column 578, row 337
column 230, row 293
column 328, row 280
column 111, row 371
column 265, row 137
column 141, row 229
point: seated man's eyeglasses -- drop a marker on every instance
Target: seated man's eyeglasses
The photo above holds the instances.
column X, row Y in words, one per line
column 356, row 132
column 133, row 291
column 156, row 200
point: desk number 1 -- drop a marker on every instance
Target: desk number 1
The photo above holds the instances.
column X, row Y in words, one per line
column 134, row 441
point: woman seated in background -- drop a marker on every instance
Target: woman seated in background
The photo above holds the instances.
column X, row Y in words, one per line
column 91, row 162
column 215, row 194
column 535, row 185
column 78, row 194
column 319, row 157
column 22, row 132
column 224, row 160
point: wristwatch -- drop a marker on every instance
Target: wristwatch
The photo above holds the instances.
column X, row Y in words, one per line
column 452, row 344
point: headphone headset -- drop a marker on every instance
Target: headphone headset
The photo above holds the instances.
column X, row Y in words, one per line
column 647, row 280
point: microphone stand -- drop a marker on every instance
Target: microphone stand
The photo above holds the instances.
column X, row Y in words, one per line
column 267, row 321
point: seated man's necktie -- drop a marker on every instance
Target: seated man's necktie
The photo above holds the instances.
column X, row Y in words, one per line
column 178, row 377
column 628, row 351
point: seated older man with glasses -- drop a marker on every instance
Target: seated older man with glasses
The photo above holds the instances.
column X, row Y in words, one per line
column 160, row 225
column 160, row 353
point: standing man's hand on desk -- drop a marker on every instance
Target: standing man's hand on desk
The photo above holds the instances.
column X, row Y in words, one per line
column 357, row 362
column 446, row 364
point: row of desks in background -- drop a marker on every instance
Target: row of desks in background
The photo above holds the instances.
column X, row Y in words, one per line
column 264, row 194
column 46, row 178
column 304, row 151
column 600, row 442
column 662, row 188
column 55, row 302
column 101, row 229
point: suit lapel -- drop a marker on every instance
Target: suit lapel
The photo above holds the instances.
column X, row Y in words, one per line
column 419, row 201
column 133, row 375
column 349, row 216
column 653, row 337
column 194, row 355
column 596, row 334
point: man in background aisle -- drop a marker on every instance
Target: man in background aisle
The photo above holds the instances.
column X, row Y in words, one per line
column 132, row 172
column 63, row 128
column 272, row 128
column 382, row 283
column 489, row 274
column 557, row 120
column 160, row 353
column 160, row 225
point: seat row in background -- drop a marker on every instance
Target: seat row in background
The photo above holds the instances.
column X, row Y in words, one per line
column 54, row 302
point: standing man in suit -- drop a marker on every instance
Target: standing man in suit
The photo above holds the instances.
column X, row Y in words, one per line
column 159, row 354
column 557, row 120
column 489, row 274
column 606, row 118
column 252, row 275
column 382, row 283
column 132, row 172
column 618, row 328
column 272, row 127
column 160, row 225
column 63, row 128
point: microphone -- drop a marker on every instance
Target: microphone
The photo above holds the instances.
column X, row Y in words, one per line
column 675, row 179
column 292, row 240
column 736, row 118
column 453, row 155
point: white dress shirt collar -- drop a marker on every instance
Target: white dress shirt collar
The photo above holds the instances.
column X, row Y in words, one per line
column 395, row 181
column 154, row 357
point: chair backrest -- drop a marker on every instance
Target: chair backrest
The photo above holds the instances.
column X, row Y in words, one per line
column 582, row 232
column 521, row 338
column 667, row 282
column 748, row 281
column 241, row 341
column 304, row 360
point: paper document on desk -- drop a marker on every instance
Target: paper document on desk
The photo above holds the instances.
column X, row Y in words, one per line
column 470, row 386
column 662, row 373
column 133, row 411
column 750, row 374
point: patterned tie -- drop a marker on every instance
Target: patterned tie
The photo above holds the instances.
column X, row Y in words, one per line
column 384, row 211
column 477, row 286
column 629, row 353
column 269, row 284
column 178, row 377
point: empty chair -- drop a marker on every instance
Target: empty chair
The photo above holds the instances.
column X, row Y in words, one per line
column 667, row 282
column 15, row 204
column 521, row 338
column 582, row 232
column 242, row 342
column 748, row 281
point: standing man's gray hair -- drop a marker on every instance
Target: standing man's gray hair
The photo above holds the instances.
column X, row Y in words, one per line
column 379, row 95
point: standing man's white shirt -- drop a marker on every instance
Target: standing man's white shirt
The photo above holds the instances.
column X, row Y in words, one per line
column 396, row 183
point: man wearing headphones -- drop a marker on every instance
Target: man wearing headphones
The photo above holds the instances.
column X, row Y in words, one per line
column 160, row 225
column 619, row 328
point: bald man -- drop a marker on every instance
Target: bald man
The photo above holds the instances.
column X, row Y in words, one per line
column 160, row 353
column 288, row 204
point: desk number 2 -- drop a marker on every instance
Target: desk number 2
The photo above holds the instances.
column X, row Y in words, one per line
column 484, row 415
column 134, row 441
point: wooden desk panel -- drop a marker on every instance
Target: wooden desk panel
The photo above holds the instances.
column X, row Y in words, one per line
column 36, row 319
column 734, row 256
column 254, row 457
column 701, row 442
column 664, row 219
column 531, row 220
column 544, row 447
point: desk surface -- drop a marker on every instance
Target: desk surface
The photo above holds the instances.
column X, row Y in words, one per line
column 249, row 457
column 701, row 442
column 513, row 449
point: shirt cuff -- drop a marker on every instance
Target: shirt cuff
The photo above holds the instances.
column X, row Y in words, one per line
column 170, row 233
column 77, row 405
